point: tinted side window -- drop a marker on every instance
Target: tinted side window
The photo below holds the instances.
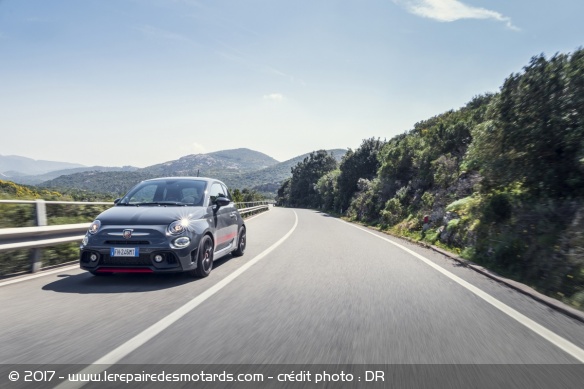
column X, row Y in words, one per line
column 216, row 191
column 226, row 192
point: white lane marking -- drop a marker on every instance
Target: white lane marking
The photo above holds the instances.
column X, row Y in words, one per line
column 548, row 335
column 120, row 352
column 40, row 274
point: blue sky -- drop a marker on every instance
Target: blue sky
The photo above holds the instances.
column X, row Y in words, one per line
column 139, row 82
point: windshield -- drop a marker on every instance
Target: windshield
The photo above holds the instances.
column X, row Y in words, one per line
column 166, row 192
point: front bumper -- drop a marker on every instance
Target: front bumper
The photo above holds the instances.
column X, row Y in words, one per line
column 95, row 255
column 172, row 261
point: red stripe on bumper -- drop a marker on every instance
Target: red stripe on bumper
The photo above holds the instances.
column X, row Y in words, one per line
column 121, row 270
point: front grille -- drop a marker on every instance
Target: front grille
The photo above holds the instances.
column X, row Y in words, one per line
column 171, row 259
column 126, row 261
column 127, row 242
column 85, row 257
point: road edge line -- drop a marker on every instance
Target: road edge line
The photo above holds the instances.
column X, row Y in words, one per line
column 555, row 339
column 41, row 273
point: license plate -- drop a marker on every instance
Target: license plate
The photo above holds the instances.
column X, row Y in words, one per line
column 124, row 252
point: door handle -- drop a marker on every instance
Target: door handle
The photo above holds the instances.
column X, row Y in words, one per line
column 233, row 215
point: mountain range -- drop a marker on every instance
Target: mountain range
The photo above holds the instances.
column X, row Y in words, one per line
column 17, row 166
column 238, row 168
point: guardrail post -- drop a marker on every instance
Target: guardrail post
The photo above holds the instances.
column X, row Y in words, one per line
column 40, row 217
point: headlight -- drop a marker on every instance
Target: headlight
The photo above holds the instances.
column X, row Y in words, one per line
column 177, row 227
column 181, row 242
column 94, row 227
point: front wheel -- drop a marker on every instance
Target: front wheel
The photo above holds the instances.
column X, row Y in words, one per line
column 204, row 258
column 241, row 242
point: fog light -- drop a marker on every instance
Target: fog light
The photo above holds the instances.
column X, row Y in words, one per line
column 158, row 258
column 181, row 242
column 93, row 257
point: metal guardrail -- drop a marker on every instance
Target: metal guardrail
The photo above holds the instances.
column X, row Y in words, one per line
column 245, row 211
column 43, row 235
column 56, row 202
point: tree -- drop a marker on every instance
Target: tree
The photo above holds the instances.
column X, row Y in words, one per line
column 361, row 163
column 539, row 115
column 327, row 189
column 283, row 196
column 305, row 175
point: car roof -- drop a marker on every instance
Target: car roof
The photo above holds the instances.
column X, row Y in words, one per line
column 183, row 178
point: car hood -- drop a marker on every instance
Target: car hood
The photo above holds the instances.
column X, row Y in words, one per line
column 132, row 215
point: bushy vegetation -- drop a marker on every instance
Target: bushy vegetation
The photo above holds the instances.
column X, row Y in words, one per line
column 500, row 180
column 246, row 195
column 23, row 215
column 300, row 189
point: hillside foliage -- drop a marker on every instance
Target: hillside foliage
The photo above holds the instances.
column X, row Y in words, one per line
column 499, row 181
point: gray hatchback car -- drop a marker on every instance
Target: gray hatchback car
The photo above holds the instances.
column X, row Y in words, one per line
column 173, row 224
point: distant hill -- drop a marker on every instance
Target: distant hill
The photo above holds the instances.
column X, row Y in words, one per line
column 14, row 166
column 238, row 168
column 227, row 161
column 39, row 178
column 270, row 178
column 115, row 183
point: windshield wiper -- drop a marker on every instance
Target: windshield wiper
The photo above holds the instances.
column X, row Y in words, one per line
column 159, row 203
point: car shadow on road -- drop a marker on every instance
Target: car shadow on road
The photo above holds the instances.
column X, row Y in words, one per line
column 86, row 283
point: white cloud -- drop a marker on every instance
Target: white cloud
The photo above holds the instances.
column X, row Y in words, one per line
column 274, row 97
column 451, row 10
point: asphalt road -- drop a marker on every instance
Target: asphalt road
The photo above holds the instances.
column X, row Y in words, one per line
column 310, row 289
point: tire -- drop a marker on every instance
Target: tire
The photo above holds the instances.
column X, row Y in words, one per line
column 241, row 243
column 204, row 258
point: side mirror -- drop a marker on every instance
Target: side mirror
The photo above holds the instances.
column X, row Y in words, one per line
column 222, row 202
column 116, row 201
